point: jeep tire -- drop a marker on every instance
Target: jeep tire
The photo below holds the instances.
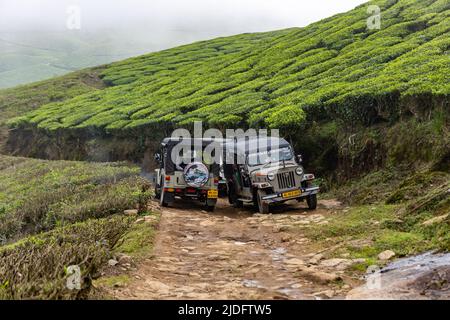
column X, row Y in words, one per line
column 233, row 198
column 162, row 199
column 158, row 191
column 210, row 205
column 312, row 201
column 263, row 207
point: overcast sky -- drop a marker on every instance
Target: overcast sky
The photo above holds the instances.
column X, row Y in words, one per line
column 209, row 16
column 36, row 42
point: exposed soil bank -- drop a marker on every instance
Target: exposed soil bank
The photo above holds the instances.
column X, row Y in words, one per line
column 337, row 150
column 85, row 145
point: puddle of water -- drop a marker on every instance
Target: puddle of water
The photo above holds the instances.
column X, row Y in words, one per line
column 277, row 254
column 291, row 293
column 252, row 284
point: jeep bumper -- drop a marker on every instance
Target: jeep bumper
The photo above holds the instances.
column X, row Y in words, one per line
column 278, row 197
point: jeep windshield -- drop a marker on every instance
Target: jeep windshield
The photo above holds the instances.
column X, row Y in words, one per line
column 272, row 156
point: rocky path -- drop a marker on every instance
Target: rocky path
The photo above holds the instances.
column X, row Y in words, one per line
column 234, row 254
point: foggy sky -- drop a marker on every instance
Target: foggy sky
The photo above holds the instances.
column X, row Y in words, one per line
column 200, row 16
column 35, row 43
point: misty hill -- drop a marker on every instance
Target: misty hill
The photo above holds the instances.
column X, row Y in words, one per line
column 335, row 73
column 268, row 79
column 29, row 56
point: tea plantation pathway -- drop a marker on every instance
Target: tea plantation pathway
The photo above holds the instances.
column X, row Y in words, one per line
column 232, row 254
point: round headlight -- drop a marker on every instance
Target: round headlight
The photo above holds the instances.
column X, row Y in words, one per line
column 271, row 176
column 299, row 171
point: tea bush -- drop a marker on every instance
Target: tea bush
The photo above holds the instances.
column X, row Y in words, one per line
column 38, row 195
column 266, row 79
column 37, row 267
column 55, row 214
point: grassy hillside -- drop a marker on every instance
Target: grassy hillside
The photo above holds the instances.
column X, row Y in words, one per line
column 19, row 100
column 346, row 95
column 39, row 195
column 29, row 56
column 56, row 213
column 271, row 79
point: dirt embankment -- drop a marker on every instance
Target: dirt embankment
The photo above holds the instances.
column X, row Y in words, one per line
column 238, row 254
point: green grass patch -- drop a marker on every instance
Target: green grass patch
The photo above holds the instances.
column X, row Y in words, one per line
column 113, row 281
column 407, row 228
column 352, row 223
column 138, row 242
column 402, row 243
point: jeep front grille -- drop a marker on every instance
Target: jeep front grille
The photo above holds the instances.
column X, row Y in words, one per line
column 286, row 180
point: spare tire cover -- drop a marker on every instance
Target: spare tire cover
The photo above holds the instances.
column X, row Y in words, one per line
column 196, row 174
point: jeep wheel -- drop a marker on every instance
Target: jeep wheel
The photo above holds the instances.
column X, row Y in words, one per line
column 263, row 207
column 162, row 202
column 233, row 199
column 157, row 191
column 312, row 202
column 238, row 204
column 210, row 205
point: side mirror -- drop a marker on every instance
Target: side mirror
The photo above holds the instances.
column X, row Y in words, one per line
column 158, row 157
column 300, row 158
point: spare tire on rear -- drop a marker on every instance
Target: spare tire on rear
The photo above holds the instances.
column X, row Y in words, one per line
column 196, row 174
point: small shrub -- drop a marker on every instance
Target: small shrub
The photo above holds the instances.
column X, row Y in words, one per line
column 35, row 268
column 41, row 195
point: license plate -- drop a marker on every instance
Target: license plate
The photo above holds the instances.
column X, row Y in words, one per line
column 213, row 194
column 292, row 194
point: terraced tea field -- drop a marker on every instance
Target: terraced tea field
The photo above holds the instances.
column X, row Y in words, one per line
column 273, row 79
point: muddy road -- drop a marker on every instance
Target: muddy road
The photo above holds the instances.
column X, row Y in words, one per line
column 235, row 254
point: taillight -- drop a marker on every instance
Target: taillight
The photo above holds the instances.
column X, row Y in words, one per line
column 216, row 180
column 167, row 178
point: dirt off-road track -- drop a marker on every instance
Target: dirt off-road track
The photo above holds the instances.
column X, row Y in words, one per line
column 233, row 254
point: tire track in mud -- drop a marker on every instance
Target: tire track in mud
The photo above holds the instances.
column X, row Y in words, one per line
column 229, row 254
